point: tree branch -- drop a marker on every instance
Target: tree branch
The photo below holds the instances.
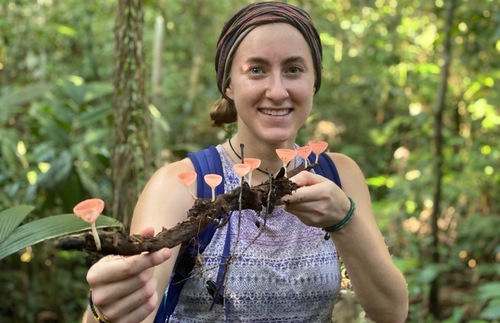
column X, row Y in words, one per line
column 203, row 213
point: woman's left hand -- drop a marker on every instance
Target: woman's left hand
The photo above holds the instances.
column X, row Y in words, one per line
column 318, row 201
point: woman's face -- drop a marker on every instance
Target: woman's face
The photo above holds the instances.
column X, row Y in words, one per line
column 272, row 83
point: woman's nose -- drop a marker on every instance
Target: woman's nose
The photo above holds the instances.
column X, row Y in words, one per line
column 277, row 89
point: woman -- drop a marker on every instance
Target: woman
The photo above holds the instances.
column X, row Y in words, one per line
column 268, row 67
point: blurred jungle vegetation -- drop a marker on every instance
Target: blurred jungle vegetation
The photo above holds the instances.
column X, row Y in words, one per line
column 410, row 90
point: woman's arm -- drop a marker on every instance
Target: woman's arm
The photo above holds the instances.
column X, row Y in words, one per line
column 130, row 289
column 379, row 286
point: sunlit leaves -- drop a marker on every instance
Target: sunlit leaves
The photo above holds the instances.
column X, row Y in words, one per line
column 487, row 113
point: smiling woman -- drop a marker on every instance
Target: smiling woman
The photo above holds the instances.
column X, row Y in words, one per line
column 268, row 65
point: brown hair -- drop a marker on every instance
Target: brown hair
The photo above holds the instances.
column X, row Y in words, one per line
column 222, row 112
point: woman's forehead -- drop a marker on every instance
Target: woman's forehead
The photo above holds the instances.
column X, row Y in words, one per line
column 274, row 38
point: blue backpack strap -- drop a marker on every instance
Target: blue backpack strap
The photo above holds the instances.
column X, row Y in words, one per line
column 206, row 161
column 326, row 168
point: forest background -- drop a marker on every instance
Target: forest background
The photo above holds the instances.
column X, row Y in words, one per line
column 410, row 90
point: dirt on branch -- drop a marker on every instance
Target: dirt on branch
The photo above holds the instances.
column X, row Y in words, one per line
column 203, row 213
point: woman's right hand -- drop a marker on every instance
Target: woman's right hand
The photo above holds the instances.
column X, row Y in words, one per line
column 124, row 288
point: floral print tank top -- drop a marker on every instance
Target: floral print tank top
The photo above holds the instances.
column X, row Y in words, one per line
column 289, row 273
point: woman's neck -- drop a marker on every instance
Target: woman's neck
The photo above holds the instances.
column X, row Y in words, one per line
column 270, row 162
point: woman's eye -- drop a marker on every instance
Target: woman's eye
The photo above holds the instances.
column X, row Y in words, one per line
column 256, row 70
column 294, row 70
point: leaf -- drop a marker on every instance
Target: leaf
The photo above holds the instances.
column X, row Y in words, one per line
column 406, row 264
column 489, row 291
column 24, row 95
column 58, row 173
column 492, row 311
column 8, row 148
column 456, row 317
column 11, row 218
column 49, row 228
column 95, row 114
column 97, row 90
column 430, row 272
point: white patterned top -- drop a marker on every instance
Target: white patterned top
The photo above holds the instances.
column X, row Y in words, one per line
column 290, row 273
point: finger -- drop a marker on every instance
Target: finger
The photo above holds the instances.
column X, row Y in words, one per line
column 306, row 178
column 142, row 312
column 148, row 232
column 112, row 293
column 142, row 299
column 137, row 314
column 308, row 193
column 116, row 268
column 303, row 179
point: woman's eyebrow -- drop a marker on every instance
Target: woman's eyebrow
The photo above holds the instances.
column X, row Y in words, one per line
column 294, row 59
column 258, row 60
column 264, row 61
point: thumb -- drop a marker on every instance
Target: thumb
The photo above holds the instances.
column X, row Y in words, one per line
column 159, row 256
column 147, row 232
column 306, row 178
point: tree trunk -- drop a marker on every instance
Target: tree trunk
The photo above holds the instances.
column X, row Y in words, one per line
column 156, row 69
column 131, row 157
column 434, row 307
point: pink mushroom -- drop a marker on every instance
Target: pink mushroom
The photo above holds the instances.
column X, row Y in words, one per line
column 187, row 178
column 89, row 210
column 213, row 180
column 318, row 147
column 304, row 152
column 241, row 170
column 254, row 163
column 286, row 155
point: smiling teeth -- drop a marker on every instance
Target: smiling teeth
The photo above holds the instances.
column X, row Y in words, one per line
column 275, row 112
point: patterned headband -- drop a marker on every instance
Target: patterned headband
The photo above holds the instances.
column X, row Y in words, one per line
column 261, row 13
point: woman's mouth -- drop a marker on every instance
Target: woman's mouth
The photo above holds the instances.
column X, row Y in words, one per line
column 276, row 112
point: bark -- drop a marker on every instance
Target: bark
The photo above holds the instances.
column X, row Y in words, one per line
column 131, row 156
column 203, row 213
column 438, row 144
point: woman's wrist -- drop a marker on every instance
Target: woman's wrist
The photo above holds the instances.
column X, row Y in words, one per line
column 88, row 317
column 98, row 317
column 345, row 220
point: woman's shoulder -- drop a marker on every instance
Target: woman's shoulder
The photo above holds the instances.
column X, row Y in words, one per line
column 174, row 168
column 347, row 168
column 164, row 200
column 165, row 180
column 341, row 161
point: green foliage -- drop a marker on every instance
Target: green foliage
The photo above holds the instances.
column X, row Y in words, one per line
column 11, row 218
column 52, row 135
column 381, row 72
column 489, row 294
column 23, row 303
column 47, row 228
column 42, row 285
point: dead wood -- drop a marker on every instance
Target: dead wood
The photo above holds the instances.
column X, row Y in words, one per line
column 203, row 213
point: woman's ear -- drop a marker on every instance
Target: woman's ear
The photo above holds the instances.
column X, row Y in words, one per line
column 229, row 93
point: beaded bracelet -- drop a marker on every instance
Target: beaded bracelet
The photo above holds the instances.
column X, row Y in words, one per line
column 92, row 308
column 347, row 218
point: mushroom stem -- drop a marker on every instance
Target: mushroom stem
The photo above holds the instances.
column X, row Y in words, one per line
column 97, row 240
column 192, row 195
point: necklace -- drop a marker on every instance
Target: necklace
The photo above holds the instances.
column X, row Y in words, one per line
column 241, row 157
